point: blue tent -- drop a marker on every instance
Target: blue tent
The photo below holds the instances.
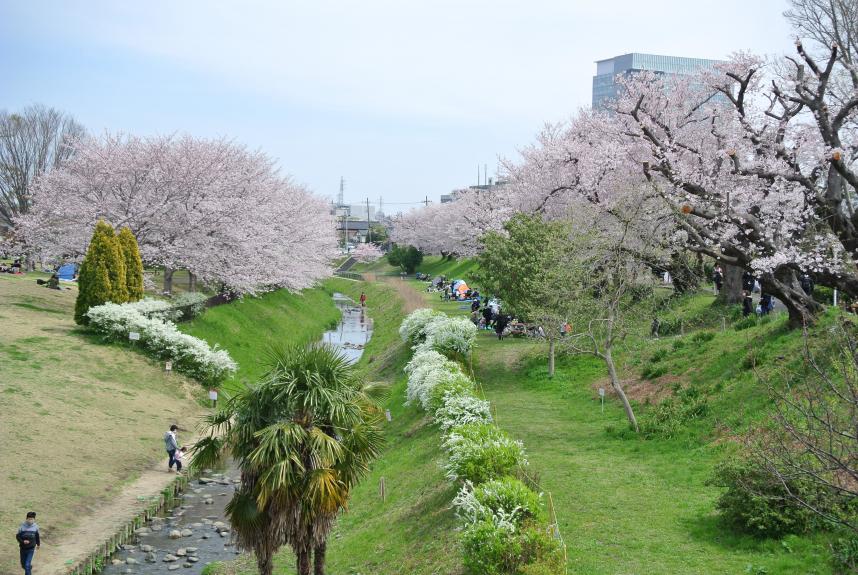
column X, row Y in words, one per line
column 67, row 272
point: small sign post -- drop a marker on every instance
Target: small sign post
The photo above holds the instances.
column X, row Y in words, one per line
column 387, row 415
column 168, row 366
column 213, row 397
column 134, row 336
column 602, row 398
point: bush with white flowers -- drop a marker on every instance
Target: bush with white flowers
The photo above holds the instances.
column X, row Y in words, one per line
column 504, row 524
column 451, row 335
column 480, row 451
column 426, row 377
column 190, row 355
column 411, row 329
column 462, row 409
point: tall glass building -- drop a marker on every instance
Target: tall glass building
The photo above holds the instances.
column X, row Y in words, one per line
column 606, row 88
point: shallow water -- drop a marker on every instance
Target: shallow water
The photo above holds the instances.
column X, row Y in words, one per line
column 204, row 520
column 354, row 330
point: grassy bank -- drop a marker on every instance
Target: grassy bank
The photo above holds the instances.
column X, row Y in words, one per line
column 627, row 505
column 412, row 530
column 250, row 326
column 67, row 400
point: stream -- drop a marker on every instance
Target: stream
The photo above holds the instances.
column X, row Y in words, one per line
column 194, row 531
column 354, row 330
column 186, row 536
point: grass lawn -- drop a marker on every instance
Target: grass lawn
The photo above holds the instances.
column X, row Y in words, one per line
column 79, row 418
column 634, row 506
column 248, row 327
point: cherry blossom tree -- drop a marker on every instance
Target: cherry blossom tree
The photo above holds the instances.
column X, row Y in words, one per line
column 209, row 206
column 367, row 252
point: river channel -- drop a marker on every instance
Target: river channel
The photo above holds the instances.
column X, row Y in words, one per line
column 195, row 532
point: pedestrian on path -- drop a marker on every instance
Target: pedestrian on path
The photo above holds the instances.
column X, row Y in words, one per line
column 172, row 445
column 28, row 542
column 362, row 299
column 180, row 457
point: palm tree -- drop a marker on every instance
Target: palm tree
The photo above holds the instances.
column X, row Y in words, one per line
column 303, row 436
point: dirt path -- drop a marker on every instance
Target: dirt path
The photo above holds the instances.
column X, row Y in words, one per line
column 411, row 298
column 103, row 522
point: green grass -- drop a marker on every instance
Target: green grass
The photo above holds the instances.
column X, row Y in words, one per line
column 248, row 327
column 634, row 506
column 433, row 265
column 624, row 505
column 78, row 419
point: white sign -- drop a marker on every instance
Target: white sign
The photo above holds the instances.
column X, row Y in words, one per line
column 168, row 366
column 601, row 392
column 387, row 415
column 133, row 336
column 213, row 394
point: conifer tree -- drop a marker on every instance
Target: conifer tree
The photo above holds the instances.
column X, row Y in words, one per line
column 133, row 264
column 99, row 270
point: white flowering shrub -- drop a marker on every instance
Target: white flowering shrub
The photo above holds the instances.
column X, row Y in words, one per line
column 480, row 451
column 190, row 304
column 190, row 355
column 461, row 409
column 449, row 335
column 506, row 497
column 423, row 357
column 426, row 377
column 412, row 327
column 455, row 384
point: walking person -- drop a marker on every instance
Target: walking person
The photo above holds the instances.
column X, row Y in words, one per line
column 28, row 542
column 172, row 445
column 718, row 278
column 180, row 457
column 362, row 299
column 747, row 304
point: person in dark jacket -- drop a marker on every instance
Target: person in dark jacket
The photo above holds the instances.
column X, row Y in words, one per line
column 171, row 444
column 28, row 541
column 488, row 316
column 718, row 278
column 748, row 281
column 806, row 283
column 747, row 304
column 500, row 324
column 475, row 305
column 766, row 304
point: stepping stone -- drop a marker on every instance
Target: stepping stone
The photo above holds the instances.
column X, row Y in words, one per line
column 151, row 557
column 169, row 558
column 173, row 567
column 193, row 559
column 181, row 552
column 146, row 548
column 187, row 532
column 175, row 534
column 192, row 550
column 188, row 565
column 131, row 561
column 118, row 562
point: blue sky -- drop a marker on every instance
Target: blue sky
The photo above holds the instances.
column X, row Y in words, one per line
column 404, row 99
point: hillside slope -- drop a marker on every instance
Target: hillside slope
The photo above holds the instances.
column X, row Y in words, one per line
column 80, row 419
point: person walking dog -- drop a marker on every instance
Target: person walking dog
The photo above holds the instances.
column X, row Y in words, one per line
column 28, row 541
column 172, row 445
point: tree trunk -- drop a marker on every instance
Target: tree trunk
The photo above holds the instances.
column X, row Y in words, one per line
column 319, row 564
column 618, row 387
column 785, row 286
column 731, row 292
column 264, row 562
column 168, row 280
column 192, row 282
column 550, row 357
column 303, row 562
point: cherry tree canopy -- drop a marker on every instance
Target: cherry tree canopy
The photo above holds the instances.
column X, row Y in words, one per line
column 209, row 206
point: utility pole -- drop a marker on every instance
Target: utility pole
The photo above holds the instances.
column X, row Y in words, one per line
column 426, row 202
column 368, row 225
